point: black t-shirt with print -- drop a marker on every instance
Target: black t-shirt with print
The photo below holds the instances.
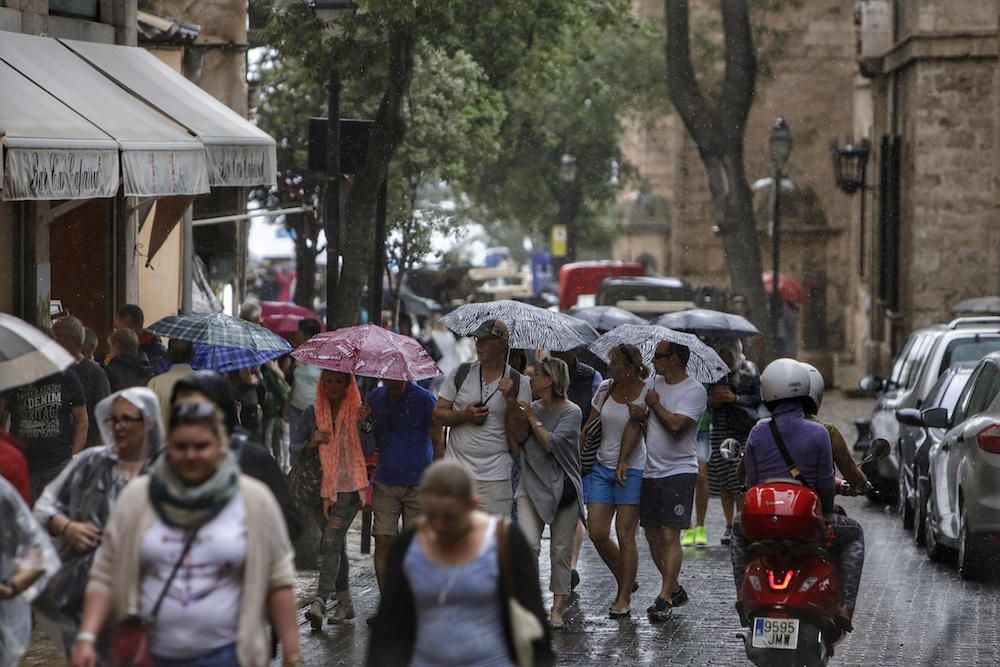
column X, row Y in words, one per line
column 42, row 418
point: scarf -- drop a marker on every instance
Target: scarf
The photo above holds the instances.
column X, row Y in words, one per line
column 183, row 506
column 341, row 458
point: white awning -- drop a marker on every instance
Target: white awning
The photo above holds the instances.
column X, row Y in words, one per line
column 239, row 154
column 159, row 157
column 51, row 151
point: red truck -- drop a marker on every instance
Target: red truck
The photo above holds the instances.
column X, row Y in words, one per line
column 581, row 279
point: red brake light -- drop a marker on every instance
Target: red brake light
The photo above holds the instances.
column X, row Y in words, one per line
column 989, row 439
column 783, row 584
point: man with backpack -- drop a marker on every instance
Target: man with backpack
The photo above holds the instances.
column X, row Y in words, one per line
column 474, row 402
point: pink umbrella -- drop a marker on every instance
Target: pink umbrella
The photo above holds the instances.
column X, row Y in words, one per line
column 283, row 317
column 369, row 351
column 789, row 288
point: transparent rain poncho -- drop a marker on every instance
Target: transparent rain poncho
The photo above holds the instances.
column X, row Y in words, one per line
column 86, row 491
column 23, row 546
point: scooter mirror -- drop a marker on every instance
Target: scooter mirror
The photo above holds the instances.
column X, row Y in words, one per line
column 730, row 449
column 879, row 449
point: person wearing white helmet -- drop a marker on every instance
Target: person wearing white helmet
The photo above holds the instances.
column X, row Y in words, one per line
column 841, row 454
column 785, row 386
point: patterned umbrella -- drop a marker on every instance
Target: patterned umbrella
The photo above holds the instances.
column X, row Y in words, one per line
column 221, row 330
column 531, row 327
column 226, row 359
column 369, row 351
column 605, row 318
column 27, row 354
column 704, row 365
column 708, row 322
column 283, row 317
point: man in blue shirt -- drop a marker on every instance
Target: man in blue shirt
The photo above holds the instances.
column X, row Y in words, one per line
column 401, row 415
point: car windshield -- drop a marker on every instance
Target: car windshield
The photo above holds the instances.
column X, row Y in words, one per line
column 609, row 296
column 968, row 349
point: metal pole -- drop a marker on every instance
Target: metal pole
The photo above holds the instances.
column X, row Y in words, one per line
column 331, row 199
column 775, row 261
column 378, row 258
column 187, row 277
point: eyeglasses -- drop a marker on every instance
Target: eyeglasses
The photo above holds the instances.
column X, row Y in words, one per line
column 122, row 419
column 664, row 355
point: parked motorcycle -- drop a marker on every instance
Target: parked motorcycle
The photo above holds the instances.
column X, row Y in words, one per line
column 790, row 593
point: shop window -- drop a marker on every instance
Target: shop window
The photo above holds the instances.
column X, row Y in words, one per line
column 87, row 9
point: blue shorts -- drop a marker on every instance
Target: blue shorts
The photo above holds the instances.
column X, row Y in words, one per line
column 704, row 446
column 605, row 490
column 585, row 483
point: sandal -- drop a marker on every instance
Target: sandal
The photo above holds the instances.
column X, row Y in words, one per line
column 612, row 613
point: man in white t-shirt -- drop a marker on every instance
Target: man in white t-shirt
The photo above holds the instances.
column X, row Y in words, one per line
column 474, row 402
column 675, row 404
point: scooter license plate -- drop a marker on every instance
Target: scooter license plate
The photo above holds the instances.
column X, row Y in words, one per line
column 781, row 633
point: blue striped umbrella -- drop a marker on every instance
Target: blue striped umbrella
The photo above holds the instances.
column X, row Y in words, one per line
column 225, row 359
column 219, row 329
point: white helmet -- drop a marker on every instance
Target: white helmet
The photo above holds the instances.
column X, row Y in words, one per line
column 783, row 379
column 816, row 386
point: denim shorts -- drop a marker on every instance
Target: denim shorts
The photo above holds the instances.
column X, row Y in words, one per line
column 704, row 446
column 605, row 489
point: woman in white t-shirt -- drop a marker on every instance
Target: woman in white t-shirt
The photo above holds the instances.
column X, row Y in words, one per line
column 616, row 478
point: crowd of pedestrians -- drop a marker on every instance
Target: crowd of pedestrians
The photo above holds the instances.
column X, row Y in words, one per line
column 165, row 494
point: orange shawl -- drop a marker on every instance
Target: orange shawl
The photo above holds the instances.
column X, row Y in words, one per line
column 341, row 457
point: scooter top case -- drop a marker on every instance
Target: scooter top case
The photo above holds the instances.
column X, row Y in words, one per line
column 782, row 511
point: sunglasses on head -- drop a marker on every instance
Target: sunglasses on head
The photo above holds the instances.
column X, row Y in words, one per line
column 188, row 411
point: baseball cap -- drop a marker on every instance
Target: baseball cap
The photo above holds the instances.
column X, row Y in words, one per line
column 492, row 329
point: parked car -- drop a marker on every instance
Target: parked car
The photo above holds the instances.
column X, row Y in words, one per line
column 927, row 354
column 646, row 296
column 915, row 442
column 963, row 498
column 580, row 280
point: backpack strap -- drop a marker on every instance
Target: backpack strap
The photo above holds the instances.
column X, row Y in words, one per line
column 461, row 374
column 793, row 467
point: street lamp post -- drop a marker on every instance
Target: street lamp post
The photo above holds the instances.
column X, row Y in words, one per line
column 780, row 141
column 568, row 170
column 330, row 11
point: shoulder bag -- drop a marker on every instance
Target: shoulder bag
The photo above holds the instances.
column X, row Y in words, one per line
column 130, row 638
column 525, row 628
column 592, row 434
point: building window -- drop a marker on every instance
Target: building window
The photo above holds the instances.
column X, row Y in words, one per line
column 87, row 9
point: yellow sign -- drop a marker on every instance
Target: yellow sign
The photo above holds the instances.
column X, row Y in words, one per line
column 559, row 240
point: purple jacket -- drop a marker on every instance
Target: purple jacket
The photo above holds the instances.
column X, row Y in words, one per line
column 808, row 444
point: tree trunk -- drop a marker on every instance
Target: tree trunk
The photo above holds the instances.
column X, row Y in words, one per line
column 305, row 262
column 718, row 131
column 359, row 215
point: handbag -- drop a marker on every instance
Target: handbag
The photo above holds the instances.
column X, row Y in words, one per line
column 592, row 435
column 525, row 628
column 130, row 638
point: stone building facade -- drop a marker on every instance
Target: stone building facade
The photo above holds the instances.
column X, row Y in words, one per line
column 928, row 98
column 806, row 84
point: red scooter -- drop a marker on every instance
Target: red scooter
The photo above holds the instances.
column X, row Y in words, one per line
column 790, row 594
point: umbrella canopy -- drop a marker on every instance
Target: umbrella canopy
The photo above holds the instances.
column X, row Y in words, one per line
column 588, row 333
column 226, row 359
column 369, row 351
column 708, row 322
column 605, row 318
column 984, row 305
column 704, row 364
column 221, row 330
column 789, row 288
column 27, row 354
column 531, row 327
column 283, row 317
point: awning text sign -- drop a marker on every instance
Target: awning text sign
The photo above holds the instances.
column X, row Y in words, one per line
column 46, row 173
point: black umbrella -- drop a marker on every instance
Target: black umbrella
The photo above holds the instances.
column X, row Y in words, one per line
column 708, row 322
column 605, row 318
column 588, row 333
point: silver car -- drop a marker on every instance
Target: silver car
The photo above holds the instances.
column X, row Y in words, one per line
column 963, row 500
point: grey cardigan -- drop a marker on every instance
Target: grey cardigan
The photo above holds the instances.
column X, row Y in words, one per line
column 544, row 473
column 268, row 565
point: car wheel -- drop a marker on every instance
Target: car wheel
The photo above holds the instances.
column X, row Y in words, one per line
column 970, row 557
column 905, row 507
column 935, row 550
column 920, row 517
